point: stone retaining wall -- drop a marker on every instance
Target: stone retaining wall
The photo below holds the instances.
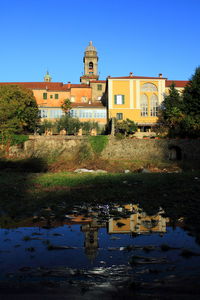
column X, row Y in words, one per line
column 129, row 149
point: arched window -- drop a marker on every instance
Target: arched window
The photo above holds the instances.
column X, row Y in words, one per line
column 144, row 105
column 90, row 65
column 154, row 105
column 149, row 87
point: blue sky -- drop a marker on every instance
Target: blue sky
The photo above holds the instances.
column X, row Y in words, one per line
column 143, row 37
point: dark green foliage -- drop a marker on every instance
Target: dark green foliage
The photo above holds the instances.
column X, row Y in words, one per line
column 180, row 114
column 125, row 127
column 18, row 110
column 191, row 95
column 14, row 139
column 88, row 126
column 45, row 125
column 71, row 125
column 171, row 112
column 66, row 106
column 98, row 143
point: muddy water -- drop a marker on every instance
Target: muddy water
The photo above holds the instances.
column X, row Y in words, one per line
column 102, row 247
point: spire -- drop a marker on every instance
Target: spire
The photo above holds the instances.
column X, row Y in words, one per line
column 47, row 77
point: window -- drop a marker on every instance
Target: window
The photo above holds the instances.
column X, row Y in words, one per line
column 149, row 87
column 144, row 105
column 51, row 96
column 90, row 72
column 84, row 99
column 43, row 113
column 56, row 96
column 119, row 99
column 99, row 87
column 44, row 95
column 119, row 116
column 72, row 99
column 154, row 105
column 56, row 113
column 90, row 65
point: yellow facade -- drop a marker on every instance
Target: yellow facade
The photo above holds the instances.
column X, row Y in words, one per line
column 138, row 98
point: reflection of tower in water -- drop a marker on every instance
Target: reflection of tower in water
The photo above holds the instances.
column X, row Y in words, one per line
column 91, row 244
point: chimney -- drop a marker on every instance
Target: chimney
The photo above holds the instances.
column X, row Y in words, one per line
column 160, row 75
column 131, row 74
column 68, row 85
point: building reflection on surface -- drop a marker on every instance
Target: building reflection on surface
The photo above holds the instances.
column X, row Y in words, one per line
column 126, row 219
column 138, row 222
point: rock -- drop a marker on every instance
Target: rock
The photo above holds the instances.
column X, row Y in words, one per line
column 127, row 171
column 83, row 171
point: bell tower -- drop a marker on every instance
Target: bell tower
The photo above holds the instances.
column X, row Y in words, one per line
column 90, row 64
column 47, row 77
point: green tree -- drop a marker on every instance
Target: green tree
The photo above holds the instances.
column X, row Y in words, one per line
column 66, row 106
column 191, row 106
column 191, row 95
column 171, row 112
column 125, row 127
column 18, row 110
column 71, row 125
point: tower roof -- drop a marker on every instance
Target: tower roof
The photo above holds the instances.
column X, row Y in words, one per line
column 47, row 77
column 90, row 47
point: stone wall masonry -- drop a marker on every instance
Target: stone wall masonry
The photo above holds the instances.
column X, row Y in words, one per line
column 127, row 149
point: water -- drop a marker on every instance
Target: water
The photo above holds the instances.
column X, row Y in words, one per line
column 99, row 244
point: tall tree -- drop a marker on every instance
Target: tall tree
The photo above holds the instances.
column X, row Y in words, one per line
column 18, row 110
column 171, row 113
column 191, row 106
column 191, row 95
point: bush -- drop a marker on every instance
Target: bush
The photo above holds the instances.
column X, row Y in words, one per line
column 125, row 127
column 88, row 126
column 71, row 125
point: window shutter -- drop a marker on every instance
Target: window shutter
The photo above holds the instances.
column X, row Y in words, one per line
column 115, row 99
column 123, row 101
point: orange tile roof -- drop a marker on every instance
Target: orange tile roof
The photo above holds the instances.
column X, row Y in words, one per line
column 178, row 83
column 52, row 86
column 136, row 77
column 80, row 85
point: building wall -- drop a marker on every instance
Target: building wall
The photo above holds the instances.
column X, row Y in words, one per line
column 97, row 93
column 51, row 100
column 79, row 93
column 132, row 90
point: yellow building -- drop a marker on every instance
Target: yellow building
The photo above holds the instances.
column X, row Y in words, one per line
column 138, row 98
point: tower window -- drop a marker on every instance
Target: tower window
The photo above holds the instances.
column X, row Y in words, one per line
column 90, row 65
column 99, row 87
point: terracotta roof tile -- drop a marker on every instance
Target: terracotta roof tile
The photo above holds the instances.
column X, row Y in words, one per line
column 52, row 86
column 178, row 83
column 80, row 85
column 137, row 77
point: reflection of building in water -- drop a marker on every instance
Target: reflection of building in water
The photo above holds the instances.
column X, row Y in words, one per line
column 138, row 222
column 91, row 244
